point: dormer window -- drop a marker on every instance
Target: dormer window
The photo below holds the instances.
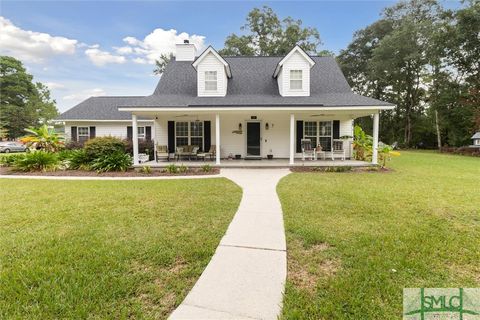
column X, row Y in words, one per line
column 211, row 80
column 296, row 80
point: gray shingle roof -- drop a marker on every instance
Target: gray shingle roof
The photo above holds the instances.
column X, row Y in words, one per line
column 476, row 135
column 99, row 108
column 251, row 84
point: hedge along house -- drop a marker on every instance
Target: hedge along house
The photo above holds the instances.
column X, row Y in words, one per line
column 247, row 106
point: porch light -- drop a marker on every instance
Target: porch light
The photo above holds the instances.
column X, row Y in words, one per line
column 266, row 126
column 240, row 126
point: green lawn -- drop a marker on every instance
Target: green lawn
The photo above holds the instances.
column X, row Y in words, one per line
column 355, row 240
column 107, row 249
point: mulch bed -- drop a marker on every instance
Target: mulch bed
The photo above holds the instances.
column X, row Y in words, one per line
column 341, row 169
column 129, row 173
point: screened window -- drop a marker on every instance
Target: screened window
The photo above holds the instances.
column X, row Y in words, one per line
column 211, row 80
column 320, row 133
column 141, row 132
column 310, row 128
column 296, row 79
column 83, row 134
column 189, row 133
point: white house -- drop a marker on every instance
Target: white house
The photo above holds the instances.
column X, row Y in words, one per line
column 476, row 139
column 247, row 106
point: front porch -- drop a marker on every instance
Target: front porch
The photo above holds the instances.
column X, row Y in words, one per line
column 263, row 163
column 255, row 134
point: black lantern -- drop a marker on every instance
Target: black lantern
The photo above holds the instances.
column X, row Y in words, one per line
column 266, row 126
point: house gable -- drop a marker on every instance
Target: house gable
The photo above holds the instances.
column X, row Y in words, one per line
column 293, row 74
column 212, row 74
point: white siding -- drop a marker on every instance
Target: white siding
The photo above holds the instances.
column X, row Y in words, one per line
column 185, row 52
column 295, row 62
column 103, row 129
column 211, row 63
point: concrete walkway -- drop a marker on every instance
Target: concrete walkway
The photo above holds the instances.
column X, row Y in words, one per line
column 245, row 278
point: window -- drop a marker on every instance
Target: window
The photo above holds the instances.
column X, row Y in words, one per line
column 196, row 134
column 83, row 134
column 325, row 135
column 211, row 80
column 141, row 132
column 320, row 133
column 311, row 132
column 181, row 133
column 189, row 133
column 295, row 79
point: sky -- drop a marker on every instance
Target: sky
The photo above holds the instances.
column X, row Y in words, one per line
column 92, row 48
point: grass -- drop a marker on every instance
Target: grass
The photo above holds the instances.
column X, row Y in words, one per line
column 107, row 249
column 355, row 240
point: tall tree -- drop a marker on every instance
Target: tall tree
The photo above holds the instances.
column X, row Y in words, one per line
column 161, row 63
column 267, row 35
column 23, row 103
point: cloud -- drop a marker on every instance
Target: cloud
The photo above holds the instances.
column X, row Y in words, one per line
column 55, row 85
column 158, row 42
column 123, row 50
column 32, row 46
column 80, row 96
column 101, row 58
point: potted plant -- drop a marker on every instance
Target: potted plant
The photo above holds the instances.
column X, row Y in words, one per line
column 270, row 155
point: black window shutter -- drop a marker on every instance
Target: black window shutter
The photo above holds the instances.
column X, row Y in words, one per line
column 171, row 136
column 92, row 132
column 129, row 133
column 148, row 133
column 336, row 129
column 207, row 135
column 73, row 133
column 299, row 135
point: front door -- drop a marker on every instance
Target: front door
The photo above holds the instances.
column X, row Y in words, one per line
column 253, row 139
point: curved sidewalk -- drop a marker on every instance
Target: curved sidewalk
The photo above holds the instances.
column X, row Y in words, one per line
column 245, row 278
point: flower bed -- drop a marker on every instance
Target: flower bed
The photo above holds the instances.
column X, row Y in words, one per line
column 128, row 173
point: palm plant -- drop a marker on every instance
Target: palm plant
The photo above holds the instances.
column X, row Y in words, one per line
column 43, row 138
column 362, row 144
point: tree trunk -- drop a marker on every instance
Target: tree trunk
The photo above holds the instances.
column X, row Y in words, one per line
column 439, row 139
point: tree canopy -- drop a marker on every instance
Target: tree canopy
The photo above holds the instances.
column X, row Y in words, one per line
column 267, row 35
column 423, row 58
column 23, row 103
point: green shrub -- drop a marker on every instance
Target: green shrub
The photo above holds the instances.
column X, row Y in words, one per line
column 338, row 169
column 38, row 161
column 8, row 160
column 115, row 161
column 206, row 168
column 146, row 170
column 171, row 168
column 77, row 159
column 100, row 147
column 182, row 168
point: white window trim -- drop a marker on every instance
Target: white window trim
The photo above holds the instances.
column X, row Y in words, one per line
column 298, row 80
column 190, row 136
column 210, row 81
column 87, row 135
column 142, row 135
column 318, row 132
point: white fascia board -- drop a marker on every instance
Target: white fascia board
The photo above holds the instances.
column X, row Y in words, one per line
column 276, row 108
column 93, row 120
column 210, row 49
column 295, row 49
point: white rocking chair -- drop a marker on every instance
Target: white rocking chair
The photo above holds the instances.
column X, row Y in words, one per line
column 338, row 149
column 307, row 150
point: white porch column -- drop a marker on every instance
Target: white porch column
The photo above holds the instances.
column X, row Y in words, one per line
column 292, row 139
column 217, row 139
column 376, row 118
column 135, row 139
